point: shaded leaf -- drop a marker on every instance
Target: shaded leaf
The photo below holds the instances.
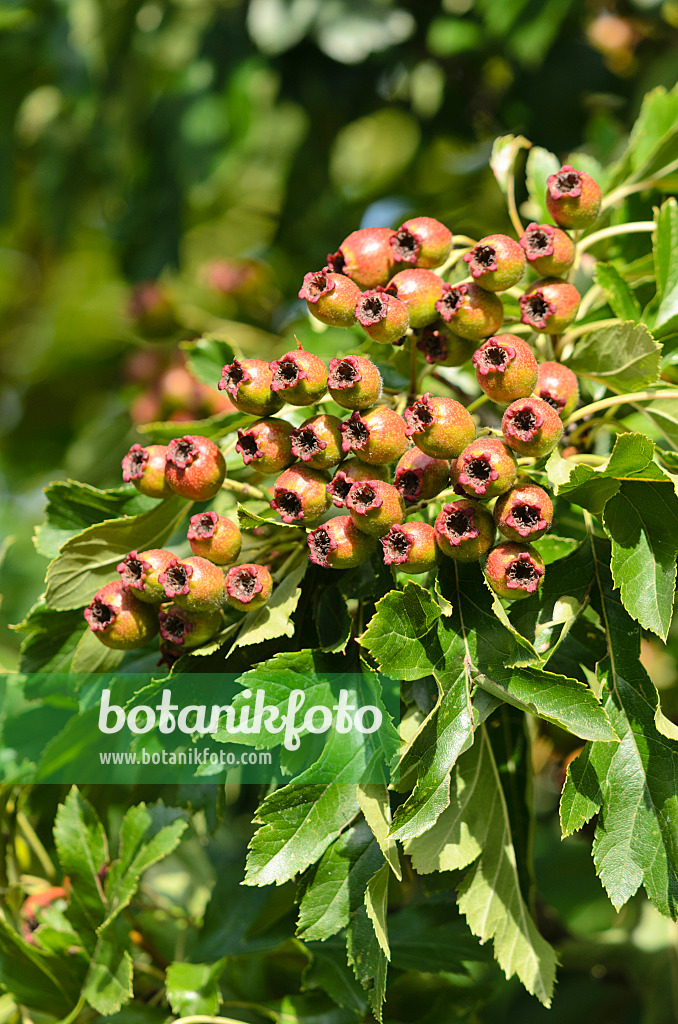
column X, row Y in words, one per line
column 624, row 358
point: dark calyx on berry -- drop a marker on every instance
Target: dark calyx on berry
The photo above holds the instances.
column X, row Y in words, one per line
column 287, row 374
column 553, row 400
column 525, row 423
column 458, row 524
column 433, row 345
column 306, row 443
column 289, row 504
column 339, row 486
column 452, row 299
column 182, row 452
column 233, row 375
column 355, row 433
column 567, row 182
column 336, row 262
column 174, row 627
column 344, row 373
column 134, row 462
column 364, row 498
column 249, row 447
column 537, row 241
column 175, row 578
column 526, row 519
column 405, row 246
column 536, row 310
column 396, row 545
column 316, row 285
column 99, row 615
column 371, row 308
column 203, row 526
column 483, row 259
column 244, row 585
column 409, row 484
column 321, row 545
column 493, row 358
column 133, row 571
column 420, row 416
column 524, row 573
column 479, row 471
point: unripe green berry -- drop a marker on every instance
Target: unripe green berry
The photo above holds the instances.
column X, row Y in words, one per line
column 338, row 544
column 486, row 468
column 139, row 572
column 317, row 442
column 382, row 316
column 248, row 382
column 351, row 471
column 145, row 468
column 119, row 620
column 419, row 477
column 514, row 571
column 524, row 513
column 375, row 506
column 411, row 547
column 299, row 377
column 531, row 427
column 193, row 583
column 300, row 495
column 330, row 297
column 440, row 427
column 214, row 537
column 418, row 290
column 377, row 437
column 573, row 198
column 464, row 530
column 194, row 467
column 422, row 242
column 549, row 305
column 443, row 348
column 470, row 311
column 496, row 262
column 266, row 445
column 549, row 250
column 557, row 385
column 354, row 382
column 188, row 630
column 506, row 368
column 248, row 587
column 365, row 256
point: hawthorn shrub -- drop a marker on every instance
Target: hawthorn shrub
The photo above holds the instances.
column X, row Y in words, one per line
column 477, row 497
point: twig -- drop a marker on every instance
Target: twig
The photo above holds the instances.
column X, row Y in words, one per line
column 609, row 403
column 616, row 229
column 246, row 490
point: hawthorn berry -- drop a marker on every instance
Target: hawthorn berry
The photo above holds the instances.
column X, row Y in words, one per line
column 139, row 572
column 514, row 571
column 531, row 427
column 188, row 630
column 382, row 316
column 317, row 442
column 375, row 506
column 377, row 437
column 443, row 348
column 496, row 262
column 349, row 472
column 299, row 377
column 339, row 544
column 549, row 250
column 214, row 537
column 267, row 445
column 506, row 368
column 440, row 427
column 194, row 467
column 119, row 620
column 524, row 513
column 549, row 305
column 418, row 290
column 422, row 242
column 486, row 468
column 248, row 586
column 365, row 256
column 419, row 477
column 300, row 495
column 330, row 297
column 572, row 198
column 145, row 468
column 248, row 382
column 411, row 547
column 472, row 312
column 354, row 382
column 193, row 583
column 557, row 385
column 464, row 530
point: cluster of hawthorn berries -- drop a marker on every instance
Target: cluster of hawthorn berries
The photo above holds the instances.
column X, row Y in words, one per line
column 433, row 445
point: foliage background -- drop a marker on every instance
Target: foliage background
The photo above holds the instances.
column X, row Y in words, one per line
column 145, row 141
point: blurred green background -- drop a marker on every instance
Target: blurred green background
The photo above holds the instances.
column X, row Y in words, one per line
column 174, row 166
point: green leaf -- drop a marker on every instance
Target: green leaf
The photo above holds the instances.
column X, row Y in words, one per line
column 83, row 852
column 375, row 805
column 540, row 165
column 664, row 414
column 624, row 358
column 582, row 795
column 213, row 427
column 402, row 636
column 631, row 459
column 92, row 656
column 144, row 840
column 367, row 959
column 206, row 358
column 51, row 638
column 88, row 560
column 274, row 619
column 332, row 620
column 248, row 520
column 623, row 302
column 376, row 905
column 194, row 988
column 330, row 972
column 654, row 138
column 72, row 507
column 109, row 983
column 35, row 979
column 337, row 885
column 666, row 266
column 642, row 523
column 503, row 158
